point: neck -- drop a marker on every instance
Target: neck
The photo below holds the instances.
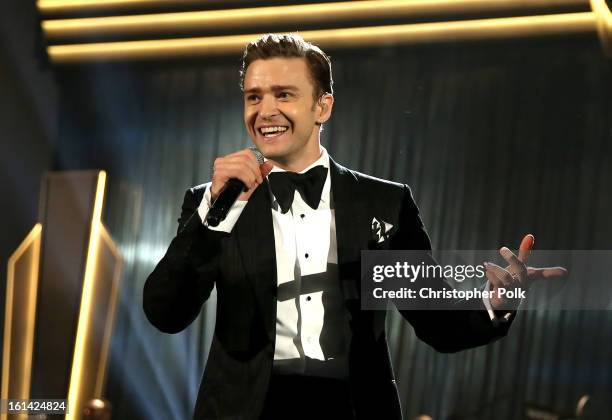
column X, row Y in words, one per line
column 301, row 162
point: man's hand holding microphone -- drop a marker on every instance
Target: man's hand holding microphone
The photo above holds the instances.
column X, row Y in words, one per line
column 235, row 177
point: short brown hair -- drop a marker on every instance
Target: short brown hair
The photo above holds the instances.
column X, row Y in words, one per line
column 289, row 46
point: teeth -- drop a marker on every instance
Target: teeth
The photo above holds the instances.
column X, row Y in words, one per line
column 267, row 130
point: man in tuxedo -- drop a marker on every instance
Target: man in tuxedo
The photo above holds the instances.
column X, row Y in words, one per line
column 291, row 340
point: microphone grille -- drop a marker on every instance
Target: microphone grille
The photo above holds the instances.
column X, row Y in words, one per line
column 258, row 155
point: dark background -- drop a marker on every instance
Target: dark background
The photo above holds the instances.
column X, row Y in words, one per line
column 496, row 139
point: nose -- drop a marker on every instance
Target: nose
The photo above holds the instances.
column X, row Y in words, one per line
column 268, row 107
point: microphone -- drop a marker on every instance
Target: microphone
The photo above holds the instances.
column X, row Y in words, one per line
column 228, row 196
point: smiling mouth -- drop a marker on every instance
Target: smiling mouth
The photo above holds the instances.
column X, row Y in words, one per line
column 274, row 131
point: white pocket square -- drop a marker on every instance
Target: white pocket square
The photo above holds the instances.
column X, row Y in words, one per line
column 380, row 230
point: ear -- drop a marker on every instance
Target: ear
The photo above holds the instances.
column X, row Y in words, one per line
column 324, row 108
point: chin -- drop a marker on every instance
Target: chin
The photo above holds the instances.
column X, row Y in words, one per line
column 271, row 151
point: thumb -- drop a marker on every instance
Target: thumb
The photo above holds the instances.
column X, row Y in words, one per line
column 265, row 168
column 526, row 247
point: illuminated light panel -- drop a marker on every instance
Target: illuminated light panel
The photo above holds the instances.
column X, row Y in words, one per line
column 110, row 319
column 84, row 324
column 31, row 242
column 498, row 28
column 604, row 23
column 63, row 6
column 261, row 17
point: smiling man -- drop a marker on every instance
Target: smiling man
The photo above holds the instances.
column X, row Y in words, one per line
column 291, row 340
column 283, row 110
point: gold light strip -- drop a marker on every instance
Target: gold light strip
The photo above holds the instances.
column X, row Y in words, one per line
column 74, row 6
column 84, row 322
column 112, row 306
column 32, row 239
column 604, row 24
column 262, row 17
column 71, row 6
column 543, row 25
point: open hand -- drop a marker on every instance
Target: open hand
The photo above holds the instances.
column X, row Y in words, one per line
column 517, row 277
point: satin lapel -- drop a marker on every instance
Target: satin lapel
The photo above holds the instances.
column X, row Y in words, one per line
column 255, row 234
column 352, row 228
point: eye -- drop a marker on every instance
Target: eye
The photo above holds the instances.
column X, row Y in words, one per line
column 252, row 97
column 284, row 95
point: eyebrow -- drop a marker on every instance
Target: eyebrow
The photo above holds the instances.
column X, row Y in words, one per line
column 275, row 88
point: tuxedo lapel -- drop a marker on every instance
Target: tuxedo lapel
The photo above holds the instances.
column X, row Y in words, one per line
column 255, row 234
column 352, row 228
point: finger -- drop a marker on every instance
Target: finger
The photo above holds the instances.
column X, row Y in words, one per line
column 237, row 170
column 516, row 266
column 495, row 281
column 546, row 272
column 526, row 247
column 253, row 161
column 247, row 157
column 248, row 164
column 503, row 275
column 243, row 152
column 233, row 169
column 249, row 161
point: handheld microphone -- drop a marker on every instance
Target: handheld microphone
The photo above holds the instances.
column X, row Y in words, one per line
column 229, row 194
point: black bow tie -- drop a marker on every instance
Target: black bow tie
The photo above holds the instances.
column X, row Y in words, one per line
column 309, row 184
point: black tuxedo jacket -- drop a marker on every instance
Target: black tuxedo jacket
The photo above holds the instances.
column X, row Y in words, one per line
column 242, row 264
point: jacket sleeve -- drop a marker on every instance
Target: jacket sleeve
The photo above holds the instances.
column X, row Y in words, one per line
column 445, row 330
column 183, row 279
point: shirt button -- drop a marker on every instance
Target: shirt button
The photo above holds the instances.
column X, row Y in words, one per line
column 302, row 215
column 309, row 339
column 308, row 298
column 306, row 255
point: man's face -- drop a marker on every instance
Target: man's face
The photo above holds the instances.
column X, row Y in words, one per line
column 280, row 113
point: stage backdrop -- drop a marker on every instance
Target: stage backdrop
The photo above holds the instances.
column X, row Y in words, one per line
column 496, row 140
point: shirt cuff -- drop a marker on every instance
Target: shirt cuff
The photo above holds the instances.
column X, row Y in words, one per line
column 230, row 220
column 490, row 310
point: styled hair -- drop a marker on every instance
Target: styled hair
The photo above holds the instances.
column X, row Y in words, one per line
column 291, row 46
